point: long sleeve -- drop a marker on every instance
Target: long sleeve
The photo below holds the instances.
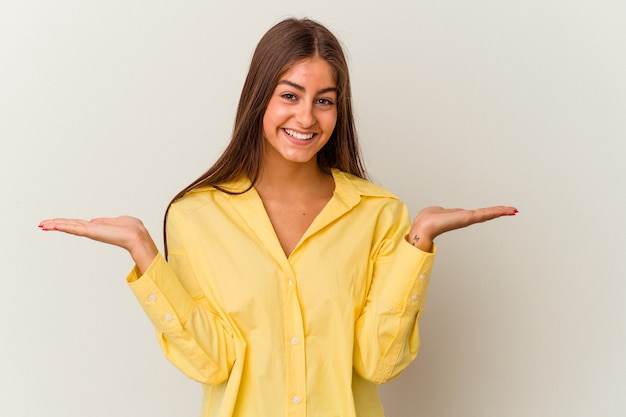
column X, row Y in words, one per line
column 193, row 337
column 386, row 332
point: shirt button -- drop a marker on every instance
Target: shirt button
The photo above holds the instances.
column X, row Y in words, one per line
column 423, row 277
column 414, row 298
column 168, row 317
column 294, row 341
column 290, row 282
column 297, row 400
column 152, row 297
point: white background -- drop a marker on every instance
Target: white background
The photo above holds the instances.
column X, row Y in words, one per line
column 111, row 107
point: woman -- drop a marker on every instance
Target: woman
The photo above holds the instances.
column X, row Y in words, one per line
column 292, row 285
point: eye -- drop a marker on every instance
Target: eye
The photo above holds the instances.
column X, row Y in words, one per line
column 325, row 102
column 289, row 96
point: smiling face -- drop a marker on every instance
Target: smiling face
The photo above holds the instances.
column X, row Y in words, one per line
column 301, row 114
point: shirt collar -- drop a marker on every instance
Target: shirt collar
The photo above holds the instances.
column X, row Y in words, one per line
column 349, row 188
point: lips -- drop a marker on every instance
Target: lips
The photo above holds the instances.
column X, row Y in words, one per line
column 299, row 136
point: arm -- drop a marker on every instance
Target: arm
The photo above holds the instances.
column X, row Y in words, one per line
column 386, row 332
column 190, row 331
column 191, row 334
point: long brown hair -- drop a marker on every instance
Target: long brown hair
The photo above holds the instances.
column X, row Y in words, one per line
column 284, row 45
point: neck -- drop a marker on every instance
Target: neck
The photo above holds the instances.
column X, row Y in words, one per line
column 292, row 179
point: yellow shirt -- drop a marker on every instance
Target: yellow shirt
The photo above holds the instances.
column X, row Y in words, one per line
column 306, row 335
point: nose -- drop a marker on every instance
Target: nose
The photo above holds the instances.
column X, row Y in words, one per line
column 305, row 115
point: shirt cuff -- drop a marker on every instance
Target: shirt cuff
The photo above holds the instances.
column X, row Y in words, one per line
column 408, row 277
column 161, row 295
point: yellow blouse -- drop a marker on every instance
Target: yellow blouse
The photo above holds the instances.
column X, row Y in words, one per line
column 306, row 335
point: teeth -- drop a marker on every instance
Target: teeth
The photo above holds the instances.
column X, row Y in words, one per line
column 299, row 136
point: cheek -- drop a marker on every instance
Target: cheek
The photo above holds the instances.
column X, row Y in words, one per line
column 274, row 116
column 330, row 121
column 269, row 121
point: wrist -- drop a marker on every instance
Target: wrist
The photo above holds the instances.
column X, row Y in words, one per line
column 143, row 251
column 423, row 243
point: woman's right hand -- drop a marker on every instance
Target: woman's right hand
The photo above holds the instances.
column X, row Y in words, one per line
column 125, row 231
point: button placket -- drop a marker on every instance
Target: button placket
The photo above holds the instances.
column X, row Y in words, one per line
column 294, row 345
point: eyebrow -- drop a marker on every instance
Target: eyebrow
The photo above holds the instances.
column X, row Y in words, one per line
column 301, row 88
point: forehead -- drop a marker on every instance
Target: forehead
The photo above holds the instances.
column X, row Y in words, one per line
column 311, row 70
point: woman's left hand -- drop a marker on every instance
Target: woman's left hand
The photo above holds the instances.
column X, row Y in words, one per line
column 434, row 221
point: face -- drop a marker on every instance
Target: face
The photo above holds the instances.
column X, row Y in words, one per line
column 301, row 114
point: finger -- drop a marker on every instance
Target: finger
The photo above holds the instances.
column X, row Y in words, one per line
column 510, row 211
column 489, row 213
column 77, row 227
column 72, row 226
column 504, row 210
column 51, row 224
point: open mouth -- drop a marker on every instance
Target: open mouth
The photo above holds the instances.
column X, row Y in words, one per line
column 299, row 136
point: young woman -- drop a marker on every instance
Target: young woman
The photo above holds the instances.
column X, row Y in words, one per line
column 290, row 285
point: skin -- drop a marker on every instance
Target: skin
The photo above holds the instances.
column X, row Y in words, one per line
column 303, row 103
column 292, row 186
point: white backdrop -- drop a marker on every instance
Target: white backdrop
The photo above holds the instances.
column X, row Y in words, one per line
column 111, row 107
